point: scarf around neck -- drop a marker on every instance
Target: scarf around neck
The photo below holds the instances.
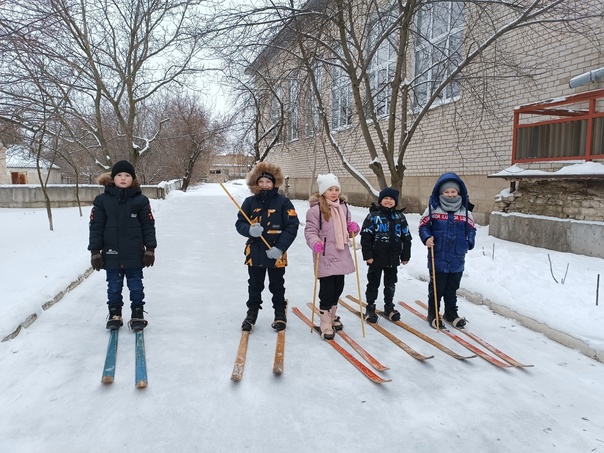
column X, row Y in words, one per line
column 340, row 227
column 450, row 204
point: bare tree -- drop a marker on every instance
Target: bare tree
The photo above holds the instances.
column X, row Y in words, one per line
column 189, row 139
column 376, row 70
column 102, row 61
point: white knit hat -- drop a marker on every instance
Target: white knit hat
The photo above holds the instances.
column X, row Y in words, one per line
column 326, row 181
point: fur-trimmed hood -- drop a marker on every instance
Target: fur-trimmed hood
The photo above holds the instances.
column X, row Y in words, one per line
column 264, row 167
column 107, row 180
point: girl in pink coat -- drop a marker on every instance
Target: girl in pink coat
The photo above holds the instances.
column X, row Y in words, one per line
column 327, row 231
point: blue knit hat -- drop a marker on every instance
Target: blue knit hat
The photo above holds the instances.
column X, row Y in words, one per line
column 388, row 192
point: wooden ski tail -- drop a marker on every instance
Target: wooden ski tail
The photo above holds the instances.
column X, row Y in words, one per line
column 141, row 361
column 240, row 359
column 110, row 358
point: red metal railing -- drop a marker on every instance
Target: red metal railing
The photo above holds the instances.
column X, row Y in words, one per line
column 574, row 129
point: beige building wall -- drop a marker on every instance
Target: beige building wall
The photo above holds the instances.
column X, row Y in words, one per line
column 4, row 174
column 461, row 137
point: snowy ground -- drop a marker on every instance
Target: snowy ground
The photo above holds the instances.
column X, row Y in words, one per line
column 51, row 398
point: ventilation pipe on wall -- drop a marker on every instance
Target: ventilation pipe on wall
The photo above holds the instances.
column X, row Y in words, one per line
column 597, row 75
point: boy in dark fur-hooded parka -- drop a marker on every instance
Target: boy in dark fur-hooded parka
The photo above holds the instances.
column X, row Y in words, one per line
column 274, row 220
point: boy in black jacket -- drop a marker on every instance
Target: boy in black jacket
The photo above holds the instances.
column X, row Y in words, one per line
column 122, row 241
column 385, row 243
column 273, row 218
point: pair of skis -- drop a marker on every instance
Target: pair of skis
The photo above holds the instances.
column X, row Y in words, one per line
column 278, row 362
column 344, row 353
column 140, row 359
column 508, row 361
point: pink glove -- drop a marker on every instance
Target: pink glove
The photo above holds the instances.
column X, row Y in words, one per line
column 353, row 227
column 318, row 247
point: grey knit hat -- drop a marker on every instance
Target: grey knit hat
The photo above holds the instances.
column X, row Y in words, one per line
column 448, row 185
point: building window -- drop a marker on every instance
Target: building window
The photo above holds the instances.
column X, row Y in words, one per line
column 438, row 50
column 294, row 111
column 276, row 115
column 341, row 99
column 381, row 71
column 312, row 120
column 215, row 172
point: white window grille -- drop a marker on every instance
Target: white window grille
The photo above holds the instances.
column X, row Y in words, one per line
column 438, row 50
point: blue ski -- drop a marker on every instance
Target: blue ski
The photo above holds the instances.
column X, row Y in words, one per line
column 141, row 362
column 109, row 368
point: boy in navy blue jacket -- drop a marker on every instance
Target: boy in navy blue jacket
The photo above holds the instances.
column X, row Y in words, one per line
column 273, row 218
column 385, row 243
column 447, row 229
column 122, row 241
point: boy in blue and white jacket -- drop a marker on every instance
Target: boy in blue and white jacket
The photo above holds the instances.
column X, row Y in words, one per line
column 447, row 228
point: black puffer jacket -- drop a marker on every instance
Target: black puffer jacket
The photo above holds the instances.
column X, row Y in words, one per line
column 121, row 225
column 274, row 212
column 385, row 237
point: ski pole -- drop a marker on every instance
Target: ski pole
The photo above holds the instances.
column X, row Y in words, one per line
column 244, row 214
column 314, row 292
column 434, row 290
column 356, row 267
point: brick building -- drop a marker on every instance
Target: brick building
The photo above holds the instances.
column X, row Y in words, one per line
column 469, row 130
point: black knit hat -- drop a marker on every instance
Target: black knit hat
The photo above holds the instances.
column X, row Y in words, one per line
column 123, row 166
column 388, row 192
column 266, row 175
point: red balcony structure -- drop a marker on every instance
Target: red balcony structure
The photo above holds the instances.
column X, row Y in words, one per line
column 560, row 129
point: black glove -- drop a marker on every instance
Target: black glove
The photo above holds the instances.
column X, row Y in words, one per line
column 149, row 257
column 96, row 259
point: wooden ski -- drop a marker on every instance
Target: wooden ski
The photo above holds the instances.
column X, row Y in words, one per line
column 110, row 358
column 461, row 341
column 405, row 347
column 357, row 347
column 421, row 335
column 240, row 358
column 355, row 362
column 141, row 361
column 278, row 362
column 482, row 342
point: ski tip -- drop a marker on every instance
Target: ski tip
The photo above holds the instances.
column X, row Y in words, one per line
column 141, row 384
column 107, row 380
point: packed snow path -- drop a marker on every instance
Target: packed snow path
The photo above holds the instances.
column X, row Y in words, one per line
column 51, row 398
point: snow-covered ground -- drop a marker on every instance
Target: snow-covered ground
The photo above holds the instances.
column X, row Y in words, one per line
column 51, row 398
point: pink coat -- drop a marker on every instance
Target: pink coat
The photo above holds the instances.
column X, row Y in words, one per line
column 331, row 261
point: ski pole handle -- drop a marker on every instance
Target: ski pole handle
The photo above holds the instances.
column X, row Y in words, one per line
column 244, row 214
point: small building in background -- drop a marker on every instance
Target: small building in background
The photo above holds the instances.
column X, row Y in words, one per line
column 228, row 167
column 22, row 168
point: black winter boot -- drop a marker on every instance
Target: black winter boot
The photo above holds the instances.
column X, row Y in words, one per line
column 370, row 315
column 137, row 321
column 280, row 322
column 250, row 319
column 391, row 312
column 454, row 318
column 114, row 320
